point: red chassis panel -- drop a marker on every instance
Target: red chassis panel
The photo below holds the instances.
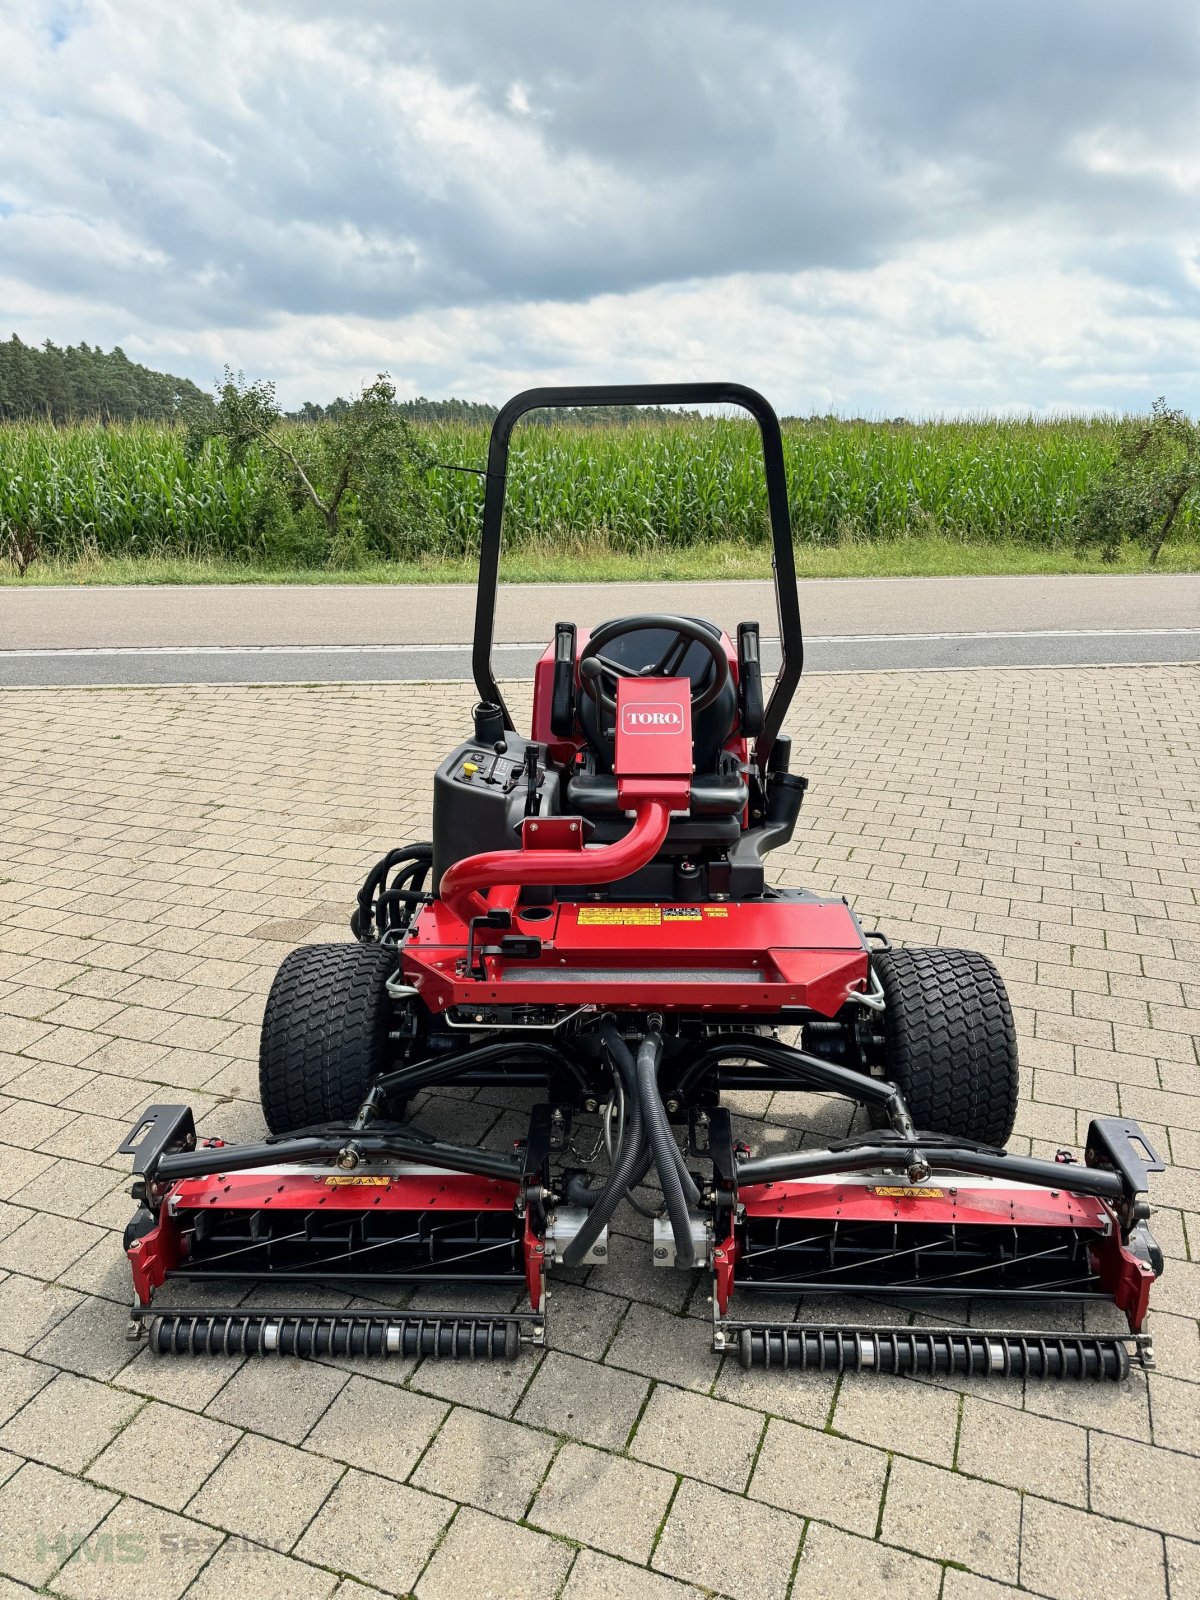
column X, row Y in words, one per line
column 755, row 956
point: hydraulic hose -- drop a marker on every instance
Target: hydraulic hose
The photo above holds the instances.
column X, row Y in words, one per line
column 667, row 1158
column 632, row 1161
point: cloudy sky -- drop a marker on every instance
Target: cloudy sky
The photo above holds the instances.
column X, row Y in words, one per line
column 863, row 206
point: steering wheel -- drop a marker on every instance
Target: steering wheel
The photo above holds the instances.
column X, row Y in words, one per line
column 595, row 666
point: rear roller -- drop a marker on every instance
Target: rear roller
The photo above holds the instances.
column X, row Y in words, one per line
column 911, row 1352
column 309, row 1334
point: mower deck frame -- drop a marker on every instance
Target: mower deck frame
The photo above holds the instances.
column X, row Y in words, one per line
column 593, row 919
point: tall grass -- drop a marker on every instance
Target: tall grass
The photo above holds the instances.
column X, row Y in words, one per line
column 94, row 490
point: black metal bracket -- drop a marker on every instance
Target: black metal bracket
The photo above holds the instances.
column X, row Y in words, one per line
column 1118, row 1145
column 498, row 918
column 159, row 1131
column 1112, row 1142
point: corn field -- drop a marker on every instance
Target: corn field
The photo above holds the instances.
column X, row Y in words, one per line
column 96, row 490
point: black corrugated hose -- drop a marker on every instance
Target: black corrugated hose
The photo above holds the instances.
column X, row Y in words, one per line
column 630, row 1166
column 667, row 1157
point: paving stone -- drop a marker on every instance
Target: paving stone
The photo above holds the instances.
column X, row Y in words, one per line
column 376, row 1530
column 486, row 1385
column 492, row 1560
column 1094, row 924
column 242, row 1568
column 744, row 1549
column 658, row 1345
column 20, row 1380
column 630, row 1269
column 834, row 1564
column 485, row 1462
column 952, row 1518
column 44, row 1245
column 154, row 1556
column 1174, row 1505
column 19, row 1167
column 1175, row 1413
column 95, row 1411
column 29, row 1310
column 597, row 1577
column 819, row 1475
column 71, row 1188
column 265, row 1491
column 179, row 1383
column 698, row 1437
column 281, row 1398
column 164, row 1455
column 44, row 1516
column 1070, row 1555
column 1120, row 1408
column 808, row 1399
column 583, row 1400
column 582, row 1320
column 961, row 1585
column 899, row 1415
column 604, row 1501
column 351, row 1589
column 1023, row 1451
column 377, row 1427
column 89, row 1340
column 1183, row 1568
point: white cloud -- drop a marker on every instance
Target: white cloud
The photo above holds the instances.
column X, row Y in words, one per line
column 873, row 209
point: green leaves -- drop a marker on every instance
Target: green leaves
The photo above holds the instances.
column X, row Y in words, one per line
column 1150, row 488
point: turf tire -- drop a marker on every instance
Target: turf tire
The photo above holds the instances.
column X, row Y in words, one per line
column 949, row 1041
column 324, row 1034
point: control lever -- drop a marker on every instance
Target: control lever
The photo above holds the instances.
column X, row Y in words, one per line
column 533, row 798
column 499, row 748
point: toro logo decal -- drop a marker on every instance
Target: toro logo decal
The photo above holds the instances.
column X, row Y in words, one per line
column 665, row 716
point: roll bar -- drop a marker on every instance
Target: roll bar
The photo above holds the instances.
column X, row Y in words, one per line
column 787, row 601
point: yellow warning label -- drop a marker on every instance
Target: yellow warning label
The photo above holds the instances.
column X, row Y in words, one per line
column 716, row 911
column 619, row 917
column 347, row 1181
column 903, row 1192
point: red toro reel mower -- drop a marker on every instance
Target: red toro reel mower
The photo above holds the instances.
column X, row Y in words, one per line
column 593, row 921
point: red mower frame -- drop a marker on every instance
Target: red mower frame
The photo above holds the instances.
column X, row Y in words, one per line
column 592, row 921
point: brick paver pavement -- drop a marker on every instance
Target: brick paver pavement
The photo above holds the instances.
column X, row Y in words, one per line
column 161, row 850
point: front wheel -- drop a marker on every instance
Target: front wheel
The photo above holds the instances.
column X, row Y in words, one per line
column 324, row 1034
column 949, row 1043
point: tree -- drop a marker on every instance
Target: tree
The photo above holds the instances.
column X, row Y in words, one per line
column 1148, row 486
column 360, row 472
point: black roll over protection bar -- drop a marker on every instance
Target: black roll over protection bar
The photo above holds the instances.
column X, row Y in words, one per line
column 783, row 561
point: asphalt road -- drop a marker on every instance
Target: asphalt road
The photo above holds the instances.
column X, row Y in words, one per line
column 282, row 633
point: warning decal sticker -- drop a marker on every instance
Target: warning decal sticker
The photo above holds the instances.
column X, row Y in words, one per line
column 618, row 917
column 903, row 1192
column 643, row 916
column 365, row 1182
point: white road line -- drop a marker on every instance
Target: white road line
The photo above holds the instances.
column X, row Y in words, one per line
column 442, row 649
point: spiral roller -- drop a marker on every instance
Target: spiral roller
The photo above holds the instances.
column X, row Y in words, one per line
column 314, row 1334
column 914, row 1350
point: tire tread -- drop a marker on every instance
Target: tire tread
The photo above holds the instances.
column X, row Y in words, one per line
column 950, row 1041
column 324, row 1033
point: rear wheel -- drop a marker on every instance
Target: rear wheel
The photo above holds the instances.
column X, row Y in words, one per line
column 324, row 1034
column 948, row 1041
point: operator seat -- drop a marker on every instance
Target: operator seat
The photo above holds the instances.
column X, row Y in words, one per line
column 719, row 791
